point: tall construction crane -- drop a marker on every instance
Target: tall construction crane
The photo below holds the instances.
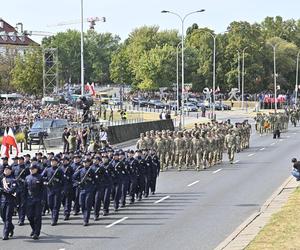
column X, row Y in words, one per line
column 19, row 28
column 91, row 20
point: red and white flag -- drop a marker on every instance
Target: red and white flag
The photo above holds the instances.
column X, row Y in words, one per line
column 4, row 146
column 11, row 140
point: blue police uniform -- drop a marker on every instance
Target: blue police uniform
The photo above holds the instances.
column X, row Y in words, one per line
column 54, row 180
column 8, row 188
column 76, row 190
column 141, row 177
column 117, row 183
column 154, row 173
column 85, row 178
column 103, row 184
column 67, row 195
column 20, row 173
column 133, row 173
column 34, row 196
column 148, row 174
column 125, row 181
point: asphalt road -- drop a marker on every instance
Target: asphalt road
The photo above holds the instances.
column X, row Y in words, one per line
column 191, row 210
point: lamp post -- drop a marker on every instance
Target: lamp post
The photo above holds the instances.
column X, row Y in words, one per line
column 275, row 83
column 81, row 51
column 243, row 76
column 182, row 19
column 297, row 74
column 239, row 71
column 177, row 75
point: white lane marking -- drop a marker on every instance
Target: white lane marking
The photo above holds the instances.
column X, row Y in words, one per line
column 61, row 249
column 280, row 140
column 162, row 199
column 195, row 182
column 288, row 136
column 262, row 149
column 237, row 161
column 294, row 133
column 273, row 143
column 251, row 155
column 116, row 222
column 217, row 171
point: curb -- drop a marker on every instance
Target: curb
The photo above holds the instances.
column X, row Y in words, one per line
column 253, row 217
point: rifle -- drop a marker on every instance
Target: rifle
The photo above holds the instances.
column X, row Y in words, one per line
column 85, row 176
column 52, row 177
column 19, row 176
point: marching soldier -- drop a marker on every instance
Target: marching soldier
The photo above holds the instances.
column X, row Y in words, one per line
column 85, row 178
column 230, row 144
column 8, row 188
column 34, row 197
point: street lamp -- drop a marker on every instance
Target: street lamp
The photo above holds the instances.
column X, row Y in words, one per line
column 239, row 71
column 243, row 76
column 297, row 74
column 275, row 84
column 182, row 19
column 177, row 75
column 81, row 51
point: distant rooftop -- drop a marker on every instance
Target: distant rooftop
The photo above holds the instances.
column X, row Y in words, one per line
column 9, row 35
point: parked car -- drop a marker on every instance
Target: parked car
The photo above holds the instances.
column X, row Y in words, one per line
column 44, row 127
column 190, row 107
column 139, row 101
column 156, row 104
column 114, row 101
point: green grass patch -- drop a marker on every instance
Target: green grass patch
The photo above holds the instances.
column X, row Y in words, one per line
column 282, row 231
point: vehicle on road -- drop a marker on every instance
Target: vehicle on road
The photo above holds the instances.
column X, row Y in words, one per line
column 156, row 104
column 115, row 101
column 190, row 107
column 139, row 102
column 44, row 127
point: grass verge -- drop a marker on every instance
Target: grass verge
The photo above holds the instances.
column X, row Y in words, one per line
column 282, row 231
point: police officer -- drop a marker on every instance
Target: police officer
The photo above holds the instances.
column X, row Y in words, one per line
column 34, row 197
column 20, row 172
column 107, row 182
column 67, row 194
column 125, row 178
column 8, row 188
column 117, row 181
column 85, row 178
column 155, row 171
column 140, row 175
column 76, row 166
column 133, row 174
column 54, row 180
column 148, row 171
column 3, row 165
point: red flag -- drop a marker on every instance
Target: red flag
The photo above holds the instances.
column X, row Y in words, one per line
column 87, row 87
column 4, row 146
column 11, row 140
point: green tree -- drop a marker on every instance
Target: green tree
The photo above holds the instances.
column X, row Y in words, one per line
column 27, row 74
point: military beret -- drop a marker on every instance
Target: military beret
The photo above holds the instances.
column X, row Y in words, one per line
column 21, row 158
column 15, row 158
column 55, row 159
column 34, row 166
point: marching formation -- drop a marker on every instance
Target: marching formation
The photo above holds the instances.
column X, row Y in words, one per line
column 272, row 123
column 34, row 186
column 198, row 148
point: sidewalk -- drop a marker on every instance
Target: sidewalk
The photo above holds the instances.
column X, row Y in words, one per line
column 247, row 231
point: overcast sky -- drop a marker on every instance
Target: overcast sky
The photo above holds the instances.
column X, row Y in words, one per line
column 125, row 15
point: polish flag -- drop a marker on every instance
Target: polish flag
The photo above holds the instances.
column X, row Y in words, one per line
column 11, row 140
column 87, row 87
column 4, row 146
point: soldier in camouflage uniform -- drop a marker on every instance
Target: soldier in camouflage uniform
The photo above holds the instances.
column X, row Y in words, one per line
column 230, row 144
column 197, row 150
column 188, row 149
column 141, row 143
column 179, row 150
column 160, row 147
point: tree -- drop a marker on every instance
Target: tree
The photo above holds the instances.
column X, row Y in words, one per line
column 27, row 74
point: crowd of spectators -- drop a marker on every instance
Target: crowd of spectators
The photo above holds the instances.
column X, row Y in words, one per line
column 19, row 113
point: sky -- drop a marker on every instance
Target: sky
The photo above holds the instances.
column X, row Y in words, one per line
column 124, row 15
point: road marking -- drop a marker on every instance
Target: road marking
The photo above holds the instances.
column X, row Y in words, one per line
column 237, row 161
column 273, row 143
column 288, row 136
column 294, row 133
column 217, row 171
column 61, row 249
column 162, row 199
column 262, row 149
column 116, row 222
column 280, row 140
column 195, row 182
column 251, row 155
